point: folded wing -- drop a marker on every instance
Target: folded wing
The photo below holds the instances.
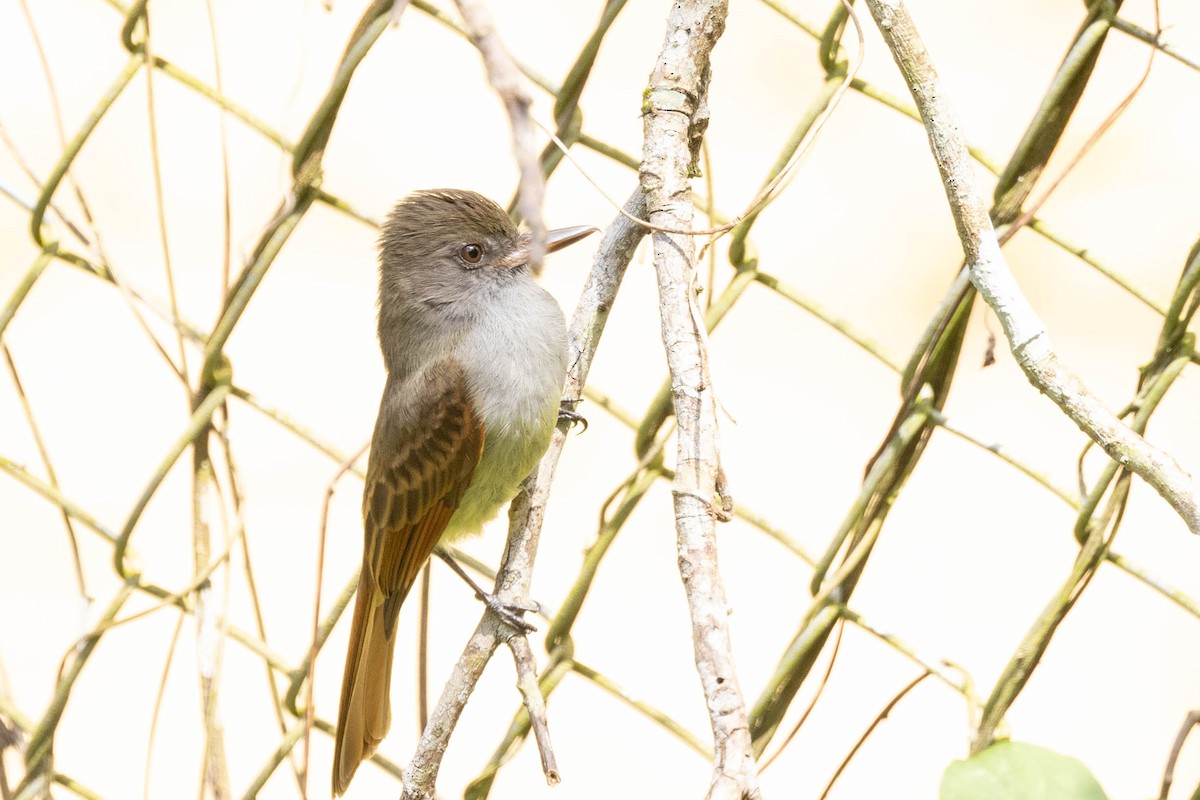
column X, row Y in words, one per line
column 416, row 477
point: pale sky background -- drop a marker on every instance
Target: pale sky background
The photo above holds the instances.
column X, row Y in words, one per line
column 969, row 556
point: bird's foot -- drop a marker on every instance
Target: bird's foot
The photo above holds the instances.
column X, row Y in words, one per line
column 512, row 613
column 567, row 412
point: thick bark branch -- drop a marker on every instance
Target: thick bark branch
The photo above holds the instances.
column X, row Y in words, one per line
column 675, row 116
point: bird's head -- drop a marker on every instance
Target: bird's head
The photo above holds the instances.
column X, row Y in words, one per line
column 442, row 246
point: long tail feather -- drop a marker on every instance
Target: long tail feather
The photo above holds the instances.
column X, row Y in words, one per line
column 365, row 711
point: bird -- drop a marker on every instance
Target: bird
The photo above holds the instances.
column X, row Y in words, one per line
column 476, row 355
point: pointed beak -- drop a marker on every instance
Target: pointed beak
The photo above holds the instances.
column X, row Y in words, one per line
column 559, row 238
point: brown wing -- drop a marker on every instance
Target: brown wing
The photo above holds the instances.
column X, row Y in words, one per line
column 415, row 479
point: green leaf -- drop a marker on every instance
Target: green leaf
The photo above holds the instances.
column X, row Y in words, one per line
column 1017, row 771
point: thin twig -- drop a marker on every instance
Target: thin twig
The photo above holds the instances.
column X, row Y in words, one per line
column 1191, row 721
column 226, row 212
column 207, row 505
column 535, row 704
column 505, row 78
column 870, row 729
column 1032, row 209
column 710, row 285
column 159, row 697
column 59, row 129
column 641, row 706
column 160, row 204
column 964, row 686
column 812, row 704
column 235, row 498
column 1154, row 39
column 315, row 644
column 51, row 477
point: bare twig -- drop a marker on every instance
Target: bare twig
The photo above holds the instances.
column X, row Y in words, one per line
column 646, row 709
column 236, row 494
column 527, row 682
column 1026, row 333
column 675, row 113
column 160, row 205
column 226, row 211
column 527, row 510
column 152, row 736
column 1192, row 720
column 506, row 79
column 812, row 703
column 880, row 717
column 1033, row 208
column 315, row 645
column 208, row 507
column 51, row 477
column 93, row 238
column 1155, row 40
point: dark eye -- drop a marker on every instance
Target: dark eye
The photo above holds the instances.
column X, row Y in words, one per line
column 471, row 253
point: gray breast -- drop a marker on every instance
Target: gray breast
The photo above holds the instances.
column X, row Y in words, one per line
column 515, row 357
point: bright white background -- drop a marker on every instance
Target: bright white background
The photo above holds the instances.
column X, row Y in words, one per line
column 970, row 554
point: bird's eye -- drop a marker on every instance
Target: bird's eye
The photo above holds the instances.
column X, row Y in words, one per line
column 471, row 253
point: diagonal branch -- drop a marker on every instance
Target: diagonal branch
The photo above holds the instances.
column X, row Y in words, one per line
column 505, row 77
column 675, row 112
column 1026, row 333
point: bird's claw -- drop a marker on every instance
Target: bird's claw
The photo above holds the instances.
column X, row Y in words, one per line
column 570, row 415
column 511, row 613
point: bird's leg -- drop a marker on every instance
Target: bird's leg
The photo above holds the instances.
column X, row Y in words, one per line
column 566, row 410
column 512, row 613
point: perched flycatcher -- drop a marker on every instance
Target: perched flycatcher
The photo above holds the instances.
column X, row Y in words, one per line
column 476, row 355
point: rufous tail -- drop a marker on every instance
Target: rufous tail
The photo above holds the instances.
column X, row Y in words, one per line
column 365, row 711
